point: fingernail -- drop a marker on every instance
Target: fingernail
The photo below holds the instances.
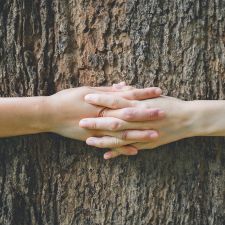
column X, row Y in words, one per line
column 123, row 83
column 161, row 113
column 134, row 152
column 90, row 97
column 83, row 123
column 90, row 141
column 158, row 91
column 117, row 86
column 154, row 135
column 107, row 155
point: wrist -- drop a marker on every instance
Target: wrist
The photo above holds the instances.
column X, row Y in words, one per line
column 193, row 121
column 185, row 119
column 59, row 113
column 44, row 114
column 206, row 117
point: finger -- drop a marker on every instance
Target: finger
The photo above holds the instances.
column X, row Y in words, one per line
column 119, row 99
column 126, row 88
column 121, row 139
column 115, row 124
column 141, row 94
column 119, row 85
column 123, row 87
column 133, row 135
column 109, row 101
column 126, row 150
column 107, row 142
column 123, row 83
column 108, row 89
column 102, row 123
column 134, row 114
column 115, row 87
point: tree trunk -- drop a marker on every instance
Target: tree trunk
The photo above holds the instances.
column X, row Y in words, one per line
column 50, row 45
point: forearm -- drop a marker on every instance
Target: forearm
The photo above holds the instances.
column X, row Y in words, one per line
column 23, row 115
column 207, row 117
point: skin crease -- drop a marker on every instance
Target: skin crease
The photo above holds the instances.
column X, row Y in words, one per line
column 174, row 127
column 183, row 119
column 177, row 126
column 66, row 118
column 61, row 112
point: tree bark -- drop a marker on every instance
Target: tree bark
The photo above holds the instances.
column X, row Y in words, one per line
column 50, row 45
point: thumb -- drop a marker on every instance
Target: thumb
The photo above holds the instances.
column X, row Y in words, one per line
column 122, row 87
column 115, row 87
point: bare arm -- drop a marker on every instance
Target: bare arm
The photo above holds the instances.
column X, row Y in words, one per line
column 23, row 115
column 208, row 117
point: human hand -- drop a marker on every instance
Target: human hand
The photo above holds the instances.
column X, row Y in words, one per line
column 67, row 108
column 177, row 124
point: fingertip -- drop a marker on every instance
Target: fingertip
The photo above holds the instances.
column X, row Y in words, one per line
column 130, row 150
column 117, row 86
column 88, row 97
column 158, row 91
column 90, row 141
column 154, row 135
column 134, row 152
column 83, row 123
column 123, row 83
column 107, row 155
column 120, row 85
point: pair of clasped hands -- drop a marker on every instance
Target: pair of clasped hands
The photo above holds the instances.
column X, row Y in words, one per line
column 121, row 118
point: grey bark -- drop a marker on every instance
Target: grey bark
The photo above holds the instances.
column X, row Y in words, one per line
column 50, row 45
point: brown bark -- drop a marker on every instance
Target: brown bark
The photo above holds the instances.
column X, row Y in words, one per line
column 49, row 45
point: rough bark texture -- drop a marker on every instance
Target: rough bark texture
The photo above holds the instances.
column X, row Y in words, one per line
column 49, row 45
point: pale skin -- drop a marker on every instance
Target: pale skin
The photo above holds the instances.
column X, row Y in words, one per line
column 61, row 113
column 183, row 119
column 133, row 123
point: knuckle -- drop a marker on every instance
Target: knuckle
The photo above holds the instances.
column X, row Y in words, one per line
column 135, row 94
column 116, row 142
column 134, row 103
column 94, row 125
column 115, row 102
column 152, row 115
column 101, row 144
column 129, row 114
column 124, row 135
column 115, row 125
